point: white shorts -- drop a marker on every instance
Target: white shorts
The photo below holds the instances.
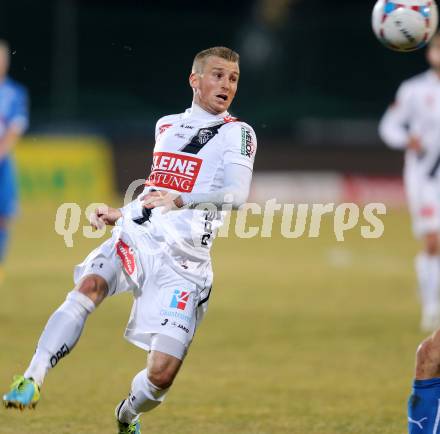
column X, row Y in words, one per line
column 165, row 302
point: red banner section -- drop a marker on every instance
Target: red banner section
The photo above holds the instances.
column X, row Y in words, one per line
column 327, row 187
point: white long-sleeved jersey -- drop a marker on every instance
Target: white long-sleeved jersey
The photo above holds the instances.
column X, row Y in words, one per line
column 196, row 154
column 415, row 112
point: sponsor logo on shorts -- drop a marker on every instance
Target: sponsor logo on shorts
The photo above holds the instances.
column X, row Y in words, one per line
column 175, row 324
column 247, row 144
column 174, row 171
column 179, row 299
column 62, row 352
column 125, row 253
column 174, row 314
column 182, row 327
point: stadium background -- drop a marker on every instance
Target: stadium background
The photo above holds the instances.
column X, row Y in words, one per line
column 306, row 335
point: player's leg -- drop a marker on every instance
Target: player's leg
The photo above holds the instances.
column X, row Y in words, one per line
column 424, row 402
column 428, row 273
column 150, row 386
column 8, row 204
column 65, row 326
column 424, row 204
column 58, row 339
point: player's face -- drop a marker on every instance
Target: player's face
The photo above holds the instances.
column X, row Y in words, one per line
column 434, row 53
column 215, row 88
column 4, row 62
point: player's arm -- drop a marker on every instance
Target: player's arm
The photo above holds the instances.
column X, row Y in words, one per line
column 237, row 183
column 393, row 127
column 17, row 123
column 240, row 145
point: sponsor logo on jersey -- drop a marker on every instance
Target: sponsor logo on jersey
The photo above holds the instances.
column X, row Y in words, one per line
column 174, row 171
column 179, row 299
column 229, row 119
column 247, row 144
column 189, row 127
column 164, row 127
column 126, row 255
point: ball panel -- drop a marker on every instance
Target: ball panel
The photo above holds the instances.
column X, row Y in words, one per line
column 405, row 25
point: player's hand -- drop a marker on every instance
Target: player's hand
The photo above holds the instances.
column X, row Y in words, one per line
column 104, row 215
column 415, row 144
column 165, row 199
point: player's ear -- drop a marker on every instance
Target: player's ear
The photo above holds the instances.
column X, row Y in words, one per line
column 194, row 80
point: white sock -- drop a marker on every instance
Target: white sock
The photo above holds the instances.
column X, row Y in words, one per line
column 428, row 274
column 60, row 335
column 144, row 396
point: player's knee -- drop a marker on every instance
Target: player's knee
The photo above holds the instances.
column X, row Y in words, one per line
column 423, row 351
column 162, row 378
column 427, row 359
column 432, row 245
column 94, row 287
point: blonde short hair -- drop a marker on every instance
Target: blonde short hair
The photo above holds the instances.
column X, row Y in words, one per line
column 222, row 52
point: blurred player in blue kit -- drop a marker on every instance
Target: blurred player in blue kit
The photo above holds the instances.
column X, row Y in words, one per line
column 13, row 123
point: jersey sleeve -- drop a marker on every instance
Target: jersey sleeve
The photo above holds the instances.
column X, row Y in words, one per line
column 19, row 114
column 240, row 145
column 393, row 127
column 162, row 124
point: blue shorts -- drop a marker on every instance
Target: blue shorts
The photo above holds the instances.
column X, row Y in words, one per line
column 8, row 188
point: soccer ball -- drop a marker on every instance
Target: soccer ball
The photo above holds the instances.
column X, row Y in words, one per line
column 405, row 25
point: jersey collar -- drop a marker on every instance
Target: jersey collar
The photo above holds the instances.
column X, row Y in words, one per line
column 196, row 112
column 433, row 76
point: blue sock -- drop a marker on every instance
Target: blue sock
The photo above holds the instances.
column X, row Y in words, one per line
column 424, row 407
column 3, row 243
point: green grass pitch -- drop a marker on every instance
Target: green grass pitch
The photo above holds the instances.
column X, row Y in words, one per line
column 305, row 336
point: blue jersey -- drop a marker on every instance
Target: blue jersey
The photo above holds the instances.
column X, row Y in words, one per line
column 13, row 107
column 13, row 113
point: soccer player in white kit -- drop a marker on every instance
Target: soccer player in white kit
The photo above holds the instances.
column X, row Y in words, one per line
column 159, row 249
column 412, row 123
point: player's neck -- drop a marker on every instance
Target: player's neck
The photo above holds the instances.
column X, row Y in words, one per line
column 197, row 109
column 436, row 72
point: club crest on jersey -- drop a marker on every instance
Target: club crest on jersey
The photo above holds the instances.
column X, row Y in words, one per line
column 205, row 135
column 179, row 299
column 126, row 255
column 174, row 171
